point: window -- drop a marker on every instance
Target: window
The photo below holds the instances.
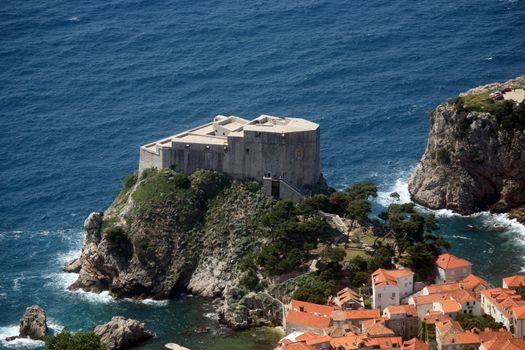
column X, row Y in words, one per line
column 393, row 295
column 468, row 303
column 247, row 150
column 379, row 296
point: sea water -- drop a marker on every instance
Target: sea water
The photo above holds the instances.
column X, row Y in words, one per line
column 84, row 83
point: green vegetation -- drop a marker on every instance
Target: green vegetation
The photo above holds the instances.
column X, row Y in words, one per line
column 468, row 322
column 510, row 116
column 314, row 290
column 78, row 341
column 426, row 331
column 118, row 241
column 129, row 181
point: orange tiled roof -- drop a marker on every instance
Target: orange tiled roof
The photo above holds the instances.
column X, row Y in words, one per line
column 304, row 306
column 319, row 340
column 409, row 310
column 515, row 281
column 429, row 299
column 307, row 319
column 306, row 336
column 450, row 306
column 503, row 299
column 466, row 338
column 378, row 329
column 349, row 342
column 443, row 287
column 384, row 342
column 518, row 312
column 449, row 261
column 415, row 344
column 462, row 296
column 298, row 346
column 362, row 314
column 505, row 344
column 382, row 276
column 472, row 281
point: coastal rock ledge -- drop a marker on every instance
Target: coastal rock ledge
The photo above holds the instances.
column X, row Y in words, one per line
column 475, row 156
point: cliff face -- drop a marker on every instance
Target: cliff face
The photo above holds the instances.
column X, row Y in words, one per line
column 167, row 233
column 475, row 156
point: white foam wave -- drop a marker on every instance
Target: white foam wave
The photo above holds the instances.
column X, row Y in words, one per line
column 212, row 316
column 11, row 331
column 69, row 256
column 73, row 19
column 400, row 186
column 461, row 237
column 150, row 302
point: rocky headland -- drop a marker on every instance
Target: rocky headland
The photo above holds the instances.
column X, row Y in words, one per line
column 475, row 156
column 168, row 233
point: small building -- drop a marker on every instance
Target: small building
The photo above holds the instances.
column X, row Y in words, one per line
column 355, row 317
column 518, row 321
column 499, row 303
column 450, row 268
column 475, row 284
column 503, row 344
column 347, row 299
column 415, row 344
column 390, row 286
column 308, row 317
column 402, row 319
column 516, row 282
column 376, row 328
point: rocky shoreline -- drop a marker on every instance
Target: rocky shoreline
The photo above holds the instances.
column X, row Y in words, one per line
column 475, row 155
column 189, row 244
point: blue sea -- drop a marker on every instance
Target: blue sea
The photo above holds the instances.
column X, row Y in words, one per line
column 84, row 83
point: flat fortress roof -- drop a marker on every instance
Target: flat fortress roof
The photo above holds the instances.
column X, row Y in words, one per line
column 206, row 134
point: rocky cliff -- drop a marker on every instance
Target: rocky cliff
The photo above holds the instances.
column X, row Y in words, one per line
column 475, row 156
column 168, row 233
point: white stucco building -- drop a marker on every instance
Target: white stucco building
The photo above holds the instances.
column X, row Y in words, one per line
column 390, row 286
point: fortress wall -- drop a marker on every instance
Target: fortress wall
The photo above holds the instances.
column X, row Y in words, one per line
column 149, row 160
column 196, row 157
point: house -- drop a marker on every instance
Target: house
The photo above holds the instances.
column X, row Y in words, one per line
column 503, row 344
column 451, row 336
column 440, row 288
column 347, row 299
column 499, row 302
column 425, row 303
column 376, row 328
column 355, row 317
column 390, row 286
column 447, row 307
column 306, row 322
column 415, row 344
column 475, row 284
column 450, row 268
column 468, row 301
column 516, row 282
column 402, row 319
column 518, row 321
column 308, row 317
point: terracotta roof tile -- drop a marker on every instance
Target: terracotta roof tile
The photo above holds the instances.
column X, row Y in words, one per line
column 304, row 306
column 409, row 310
column 362, row 314
column 472, row 281
column 449, row 261
column 298, row 346
column 518, row 312
column 415, row 344
column 515, row 281
column 308, row 319
column 389, row 277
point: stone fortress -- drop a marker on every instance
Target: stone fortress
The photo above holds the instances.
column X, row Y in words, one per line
column 281, row 153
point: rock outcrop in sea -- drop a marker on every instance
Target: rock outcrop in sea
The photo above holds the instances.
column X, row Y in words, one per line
column 475, row 156
column 168, row 233
column 121, row 333
column 33, row 324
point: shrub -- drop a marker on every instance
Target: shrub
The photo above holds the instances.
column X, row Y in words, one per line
column 118, row 241
column 79, row 341
column 314, row 290
column 252, row 186
column 140, row 246
column 129, row 181
column 442, row 156
column 468, row 322
column 361, row 279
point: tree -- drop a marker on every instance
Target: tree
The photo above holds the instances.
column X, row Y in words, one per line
column 357, row 211
column 382, row 259
column 314, row 290
column 361, row 279
column 419, row 258
column 333, row 255
column 79, row 341
column 361, row 190
column 395, row 197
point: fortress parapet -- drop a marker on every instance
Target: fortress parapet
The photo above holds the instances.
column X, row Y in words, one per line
column 278, row 152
